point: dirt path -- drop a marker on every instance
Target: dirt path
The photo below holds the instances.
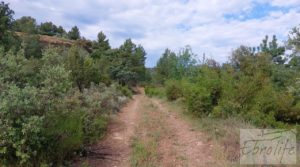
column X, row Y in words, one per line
column 147, row 120
column 187, row 143
column 114, row 150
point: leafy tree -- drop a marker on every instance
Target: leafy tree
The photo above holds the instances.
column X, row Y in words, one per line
column 139, row 63
column 128, row 67
column 272, row 48
column 186, row 62
column 102, row 43
column 25, row 24
column 294, row 45
column 172, row 66
column 75, row 63
column 84, row 70
column 74, row 33
column 101, row 46
column 32, row 46
column 6, row 19
column 282, row 76
column 166, row 66
column 7, row 38
column 48, row 28
column 61, row 31
column 13, row 68
column 293, row 42
column 240, row 56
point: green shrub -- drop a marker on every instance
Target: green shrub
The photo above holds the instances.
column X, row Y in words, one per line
column 198, row 100
column 32, row 46
column 288, row 108
column 173, row 90
column 20, row 124
column 12, row 68
column 94, row 127
column 202, row 93
column 125, row 91
column 153, row 91
column 64, row 135
column 264, row 120
column 43, row 120
column 104, row 100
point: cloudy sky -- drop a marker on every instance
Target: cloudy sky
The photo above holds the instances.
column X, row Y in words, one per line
column 213, row 27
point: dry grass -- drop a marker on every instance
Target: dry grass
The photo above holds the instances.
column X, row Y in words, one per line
column 56, row 41
column 60, row 42
column 223, row 132
column 145, row 143
column 51, row 39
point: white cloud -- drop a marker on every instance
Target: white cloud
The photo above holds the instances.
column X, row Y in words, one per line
column 158, row 24
column 285, row 2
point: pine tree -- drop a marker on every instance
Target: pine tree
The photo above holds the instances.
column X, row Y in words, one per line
column 74, row 33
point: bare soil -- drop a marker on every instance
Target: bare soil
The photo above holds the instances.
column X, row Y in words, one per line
column 114, row 150
column 179, row 145
column 189, row 146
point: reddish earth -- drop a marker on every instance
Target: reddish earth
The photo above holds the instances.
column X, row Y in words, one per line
column 187, row 143
column 114, row 149
column 179, row 146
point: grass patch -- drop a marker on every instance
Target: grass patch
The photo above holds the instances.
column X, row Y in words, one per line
column 153, row 91
column 144, row 153
column 145, row 143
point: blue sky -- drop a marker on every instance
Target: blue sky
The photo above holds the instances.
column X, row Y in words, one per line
column 214, row 27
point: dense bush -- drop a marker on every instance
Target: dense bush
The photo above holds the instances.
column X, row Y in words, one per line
column 54, row 101
column 43, row 118
column 153, row 91
column 254, row 85
column 203, row 92
column 198, row 100
column 173, row 90
column 126, row 91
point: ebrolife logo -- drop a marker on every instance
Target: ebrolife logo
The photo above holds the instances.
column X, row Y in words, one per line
column 268, row 146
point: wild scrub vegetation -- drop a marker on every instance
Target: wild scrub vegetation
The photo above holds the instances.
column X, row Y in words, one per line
column 256, row 88
column 56, row 100
column 258, row 84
